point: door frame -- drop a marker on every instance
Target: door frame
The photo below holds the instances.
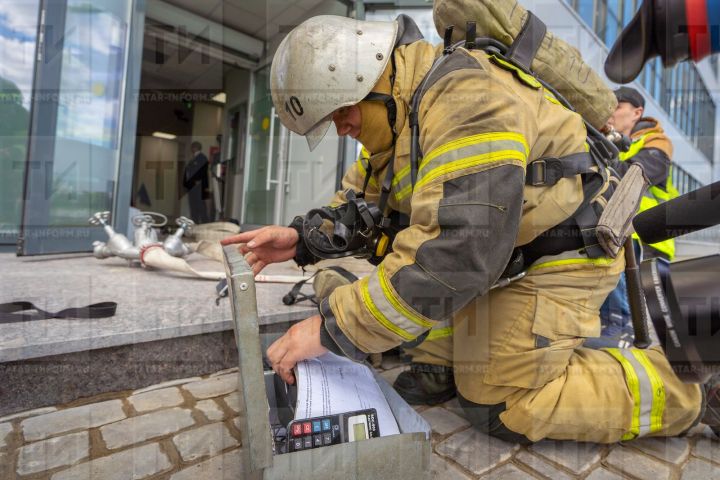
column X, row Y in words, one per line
column 123, row 194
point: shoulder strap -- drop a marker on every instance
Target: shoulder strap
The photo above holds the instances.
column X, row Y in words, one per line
column 387, row 185
column 522, row 51
column 11, row 312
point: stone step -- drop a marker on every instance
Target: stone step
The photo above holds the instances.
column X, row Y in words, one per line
column 166, row 327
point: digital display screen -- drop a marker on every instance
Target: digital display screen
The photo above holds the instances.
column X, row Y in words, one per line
column 359, row 431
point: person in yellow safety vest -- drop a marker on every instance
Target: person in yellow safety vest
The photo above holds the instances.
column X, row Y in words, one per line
column 487, row 130
column 652, row 150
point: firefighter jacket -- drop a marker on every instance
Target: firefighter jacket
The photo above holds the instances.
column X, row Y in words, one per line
column 652, row 149
column 481, row 122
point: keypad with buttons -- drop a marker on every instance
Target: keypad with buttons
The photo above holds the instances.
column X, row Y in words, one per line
column 332, row 429
column 314, row 433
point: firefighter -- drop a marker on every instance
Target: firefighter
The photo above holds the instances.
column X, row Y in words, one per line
column 498, row 173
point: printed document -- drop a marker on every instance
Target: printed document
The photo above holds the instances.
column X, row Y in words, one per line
column 330, row 384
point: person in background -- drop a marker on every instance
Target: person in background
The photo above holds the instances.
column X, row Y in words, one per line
column 196, row 182
column 652, row 150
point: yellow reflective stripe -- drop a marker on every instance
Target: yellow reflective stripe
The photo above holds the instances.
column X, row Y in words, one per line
column 377, row 314
column 475, row 139
column 440, row 333
column 401, row 184
column 469, row 162
column 602, row 261
column 634, row 385
column 404, row 192
column 658, row 390
column 401, row 175
column 463, row 153
column 647, row 389
column 399, row 307
column 646, row 392
column 552, row 99
column 524, row 77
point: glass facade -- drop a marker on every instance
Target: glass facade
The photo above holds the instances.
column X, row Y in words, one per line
column 18, row 34
column 73, row 159
column 680, row 90
column 89, row 111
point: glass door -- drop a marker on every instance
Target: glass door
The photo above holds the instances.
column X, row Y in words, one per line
column 267, row 146
column 77, row 127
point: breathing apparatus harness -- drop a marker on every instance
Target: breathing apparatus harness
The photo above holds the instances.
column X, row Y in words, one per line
column 364, row 230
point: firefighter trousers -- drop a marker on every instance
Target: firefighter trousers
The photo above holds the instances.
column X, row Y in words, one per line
column 519, row 351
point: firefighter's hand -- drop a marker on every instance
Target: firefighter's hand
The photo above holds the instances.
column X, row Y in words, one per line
column 265, row 245
column 300, row 342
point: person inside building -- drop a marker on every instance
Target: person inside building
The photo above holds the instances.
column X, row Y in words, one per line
column 197, row 184
column 652, row 150
column 518, row 362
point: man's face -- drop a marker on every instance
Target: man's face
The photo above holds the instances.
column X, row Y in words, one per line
column 625, row 117
column 348, row 121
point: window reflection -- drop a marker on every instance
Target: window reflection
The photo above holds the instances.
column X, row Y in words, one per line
column 87, row 132
column 92, row 73
column 18, row 31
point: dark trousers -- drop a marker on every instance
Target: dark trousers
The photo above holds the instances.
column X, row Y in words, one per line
column 198, row 209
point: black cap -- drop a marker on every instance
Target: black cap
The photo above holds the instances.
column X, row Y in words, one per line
column 630, row 95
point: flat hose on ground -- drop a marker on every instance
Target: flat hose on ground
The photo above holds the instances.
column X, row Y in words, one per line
column 154, row 256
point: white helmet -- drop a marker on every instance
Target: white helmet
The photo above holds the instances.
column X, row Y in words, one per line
column 325, row 63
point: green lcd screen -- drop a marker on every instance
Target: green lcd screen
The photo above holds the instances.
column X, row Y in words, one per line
column 359, row 431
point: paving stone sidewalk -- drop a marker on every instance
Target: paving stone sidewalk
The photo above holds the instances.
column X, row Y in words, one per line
column 189, row 430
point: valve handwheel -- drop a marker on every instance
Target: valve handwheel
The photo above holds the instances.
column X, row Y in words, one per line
column 150, row 217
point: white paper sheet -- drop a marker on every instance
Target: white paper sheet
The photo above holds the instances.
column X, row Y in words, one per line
column 331, row 384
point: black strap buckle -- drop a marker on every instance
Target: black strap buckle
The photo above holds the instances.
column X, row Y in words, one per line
column 447, row 40
column 537, row 172
column 470, row 34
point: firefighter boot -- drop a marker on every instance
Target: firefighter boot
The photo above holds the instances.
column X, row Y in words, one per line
column 426, row 384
